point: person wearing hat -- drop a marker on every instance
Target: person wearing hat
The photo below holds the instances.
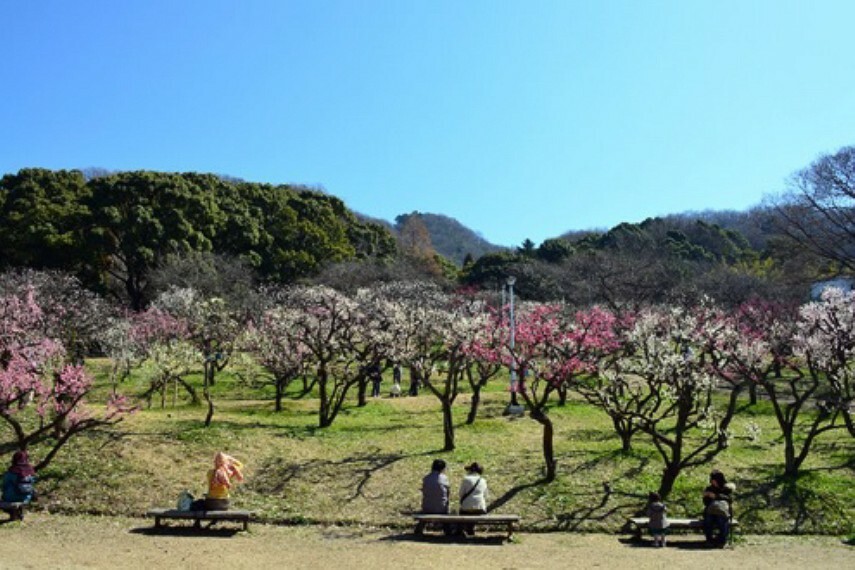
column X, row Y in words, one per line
column 18, row 483
column 717, row 509
column 473, row 494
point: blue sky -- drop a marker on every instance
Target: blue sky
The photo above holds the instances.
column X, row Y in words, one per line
column 522, row 119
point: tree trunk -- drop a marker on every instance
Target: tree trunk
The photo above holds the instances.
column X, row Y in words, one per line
column 209, row 374
column 447, row 425
column 623, row 428
column 473, row 404
column 791, row 462
column 562, row 395
column 280, row 391
column 548, row 447
column 324, row 411
column 752, row 393
column 669, row 476
column 363, row 388
column 194, row 397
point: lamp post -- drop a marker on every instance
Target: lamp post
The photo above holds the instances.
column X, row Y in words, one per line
column 510, row 281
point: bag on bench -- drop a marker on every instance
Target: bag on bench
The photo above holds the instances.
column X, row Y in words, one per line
column 185, row 501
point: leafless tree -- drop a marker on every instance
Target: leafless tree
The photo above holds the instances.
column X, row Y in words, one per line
column 817, row 211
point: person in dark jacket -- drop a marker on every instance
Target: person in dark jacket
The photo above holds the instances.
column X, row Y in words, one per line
column 717, row 504
column 435, row 492
column 19, row 483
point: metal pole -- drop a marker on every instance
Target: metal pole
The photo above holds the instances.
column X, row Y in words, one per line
column 511, row 281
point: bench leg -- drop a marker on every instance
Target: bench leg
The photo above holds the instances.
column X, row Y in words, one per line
column 420, row 528
column 510, row 532
column 157, row 522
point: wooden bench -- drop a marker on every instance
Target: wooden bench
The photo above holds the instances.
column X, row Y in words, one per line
column 198, row 516
column 487, row 520
column 638, row 524
column 15, row 510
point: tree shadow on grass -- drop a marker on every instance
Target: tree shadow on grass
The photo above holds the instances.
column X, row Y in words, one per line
column 275, row 473
column 807, row 504
column 499, row 502
column 598, row 511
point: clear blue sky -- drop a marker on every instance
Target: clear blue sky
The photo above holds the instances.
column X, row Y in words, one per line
column 522, row 119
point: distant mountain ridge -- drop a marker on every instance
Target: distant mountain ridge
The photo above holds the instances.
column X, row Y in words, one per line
column 450, row 238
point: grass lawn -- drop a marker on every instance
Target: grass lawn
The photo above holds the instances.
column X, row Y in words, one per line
column 366, row 469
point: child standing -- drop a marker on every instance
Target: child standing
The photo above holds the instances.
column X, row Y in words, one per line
column 658, row 520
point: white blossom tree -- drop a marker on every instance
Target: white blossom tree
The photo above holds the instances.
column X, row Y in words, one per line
column 434, row 329
column 826, row 341
column 663, row 362
column 212, row 328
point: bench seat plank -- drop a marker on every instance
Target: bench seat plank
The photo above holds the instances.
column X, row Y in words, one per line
column 640, row 523
column 198, row 516
column 494, row 519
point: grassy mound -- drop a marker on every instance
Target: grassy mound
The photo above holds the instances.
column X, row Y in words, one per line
column 366, row 469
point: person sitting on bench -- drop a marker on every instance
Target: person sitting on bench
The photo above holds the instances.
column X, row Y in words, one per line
column 473, row 495
column 435, row 487
column 226, row 472
column 18, row 483
column 717, row 499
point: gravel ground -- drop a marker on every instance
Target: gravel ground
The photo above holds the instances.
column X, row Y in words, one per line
column 51, row 541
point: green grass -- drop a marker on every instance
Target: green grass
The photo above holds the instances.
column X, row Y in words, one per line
column 367, row 467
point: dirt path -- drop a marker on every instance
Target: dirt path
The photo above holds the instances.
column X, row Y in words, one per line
column 46, row 541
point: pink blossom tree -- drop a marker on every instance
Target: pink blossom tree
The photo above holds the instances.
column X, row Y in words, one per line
column 159, row 343
column 42, row 396
column 485, row 353
column 74, row 315
column 552, row 349
column 598, row 383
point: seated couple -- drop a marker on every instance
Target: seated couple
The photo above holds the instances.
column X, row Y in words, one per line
column 472, row 494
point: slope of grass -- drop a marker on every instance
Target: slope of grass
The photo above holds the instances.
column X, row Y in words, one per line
column 367, row 467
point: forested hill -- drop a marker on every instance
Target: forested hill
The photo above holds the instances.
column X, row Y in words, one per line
column 113, row 230
column 450, row 238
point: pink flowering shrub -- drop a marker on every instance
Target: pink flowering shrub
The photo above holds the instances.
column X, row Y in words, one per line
column 42, row 396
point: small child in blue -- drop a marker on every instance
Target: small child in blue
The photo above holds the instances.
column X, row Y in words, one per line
column 658, row 520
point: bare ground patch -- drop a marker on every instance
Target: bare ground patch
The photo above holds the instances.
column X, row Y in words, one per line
column 68, row 542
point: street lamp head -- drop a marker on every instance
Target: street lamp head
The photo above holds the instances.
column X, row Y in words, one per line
column 511, row 280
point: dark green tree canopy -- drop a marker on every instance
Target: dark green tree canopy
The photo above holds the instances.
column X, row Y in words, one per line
column 42, row 216
column 114, row 229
